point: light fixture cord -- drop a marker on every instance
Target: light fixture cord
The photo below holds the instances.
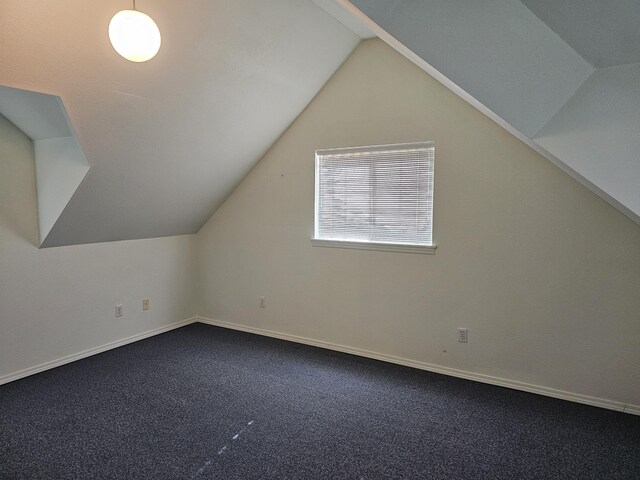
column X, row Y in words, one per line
column 134, row 4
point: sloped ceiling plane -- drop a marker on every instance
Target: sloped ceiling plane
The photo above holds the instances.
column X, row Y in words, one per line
column 128, row 150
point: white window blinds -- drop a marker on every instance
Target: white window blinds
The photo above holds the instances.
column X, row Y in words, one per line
column 381, row 194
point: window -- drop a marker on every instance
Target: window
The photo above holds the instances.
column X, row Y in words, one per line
column 378, row 198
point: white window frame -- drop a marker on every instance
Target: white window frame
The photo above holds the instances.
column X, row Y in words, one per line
column 367, row 245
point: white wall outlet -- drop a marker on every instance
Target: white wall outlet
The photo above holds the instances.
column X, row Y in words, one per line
column 262, row 304
column 463, row 335
column 118, row 310
column 145, row 304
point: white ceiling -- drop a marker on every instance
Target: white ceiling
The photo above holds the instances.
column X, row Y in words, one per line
column 168, row 140
column 497, row 51
column 338, row 11
column 60, row 163
column 604, row 33
column 511, row 65
column 38, row 116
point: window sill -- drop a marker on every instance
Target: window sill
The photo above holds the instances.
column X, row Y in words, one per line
column 384, row 247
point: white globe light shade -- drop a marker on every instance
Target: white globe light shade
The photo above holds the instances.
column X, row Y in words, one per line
column 134, row 35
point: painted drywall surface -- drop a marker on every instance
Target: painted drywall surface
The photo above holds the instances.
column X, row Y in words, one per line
column 498, row 51
column 603, row 33
column 344, row 17
column 60, row 167
column 60, row 301
column 38, row 115
column 60, row 162
column 175, row 135
column 597, row 133
column 544, row 273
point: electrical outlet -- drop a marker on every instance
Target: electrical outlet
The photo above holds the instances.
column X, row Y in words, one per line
column 262, row 304
column 145, row 304
column 463, row 335
column 118, row 310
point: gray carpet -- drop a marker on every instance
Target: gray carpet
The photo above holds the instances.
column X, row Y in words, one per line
column 203, row 402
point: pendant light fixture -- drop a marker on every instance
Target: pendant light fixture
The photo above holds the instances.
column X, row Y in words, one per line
column 134, row 35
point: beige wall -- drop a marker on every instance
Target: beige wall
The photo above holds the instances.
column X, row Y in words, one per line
column 545, row 274
column 60, row 301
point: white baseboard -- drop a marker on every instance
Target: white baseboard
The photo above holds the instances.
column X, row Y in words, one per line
column 92, row 351
column 632, row 409
column 549, row 392
column 478, row 377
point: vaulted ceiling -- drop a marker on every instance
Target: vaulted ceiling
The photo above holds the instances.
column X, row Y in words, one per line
column 605, row 34
column 559, row 74
column 166, row 141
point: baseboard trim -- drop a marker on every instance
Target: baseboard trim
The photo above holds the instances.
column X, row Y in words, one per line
column 478, row 377
column 632, row 409
column 93, row 351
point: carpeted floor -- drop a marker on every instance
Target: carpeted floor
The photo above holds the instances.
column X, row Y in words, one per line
column 203, row 402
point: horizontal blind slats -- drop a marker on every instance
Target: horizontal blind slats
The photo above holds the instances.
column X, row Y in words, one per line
column 376, row 196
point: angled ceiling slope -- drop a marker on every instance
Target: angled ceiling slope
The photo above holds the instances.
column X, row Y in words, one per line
column 605, row 34
column 533, row 67
column 169, row 139
column 60, row 163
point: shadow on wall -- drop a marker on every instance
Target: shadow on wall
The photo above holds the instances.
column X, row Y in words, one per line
column 18, row 205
